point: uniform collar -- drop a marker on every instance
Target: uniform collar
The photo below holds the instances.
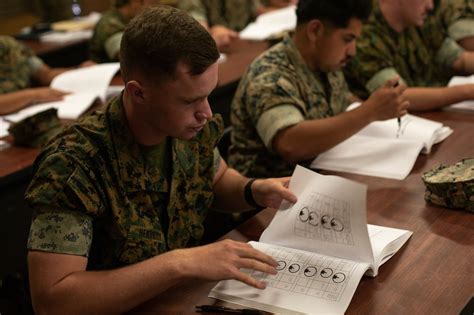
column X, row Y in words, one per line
column 131, row 161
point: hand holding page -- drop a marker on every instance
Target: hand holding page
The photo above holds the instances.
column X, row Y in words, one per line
column 323, row 246
column 383, row 148
column 85, row 85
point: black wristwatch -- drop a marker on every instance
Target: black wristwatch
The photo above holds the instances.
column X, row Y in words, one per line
column 249, row 197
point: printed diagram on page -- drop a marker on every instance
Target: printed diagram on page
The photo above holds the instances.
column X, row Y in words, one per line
column 324, row 218
column 307, row 273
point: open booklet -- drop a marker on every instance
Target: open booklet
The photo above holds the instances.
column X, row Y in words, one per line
column 84, row 84
column 323, row 246
column 270, row 23
column 466, row 105
column 383, row 148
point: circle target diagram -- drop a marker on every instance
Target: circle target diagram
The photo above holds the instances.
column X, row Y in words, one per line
column 294, row 268
column 310, row 271
column 338, row 277
column 281, row 265
column 304, row 214
column 326, row 272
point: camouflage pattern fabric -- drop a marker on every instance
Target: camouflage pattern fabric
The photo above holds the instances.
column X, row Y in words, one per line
column 16, row 65
column 111, row 23
column 36, row 130
column 96, row 192
column 456, row 16
column 279, row 90
column 233, row 14
column 420, row 57
column 451, row 186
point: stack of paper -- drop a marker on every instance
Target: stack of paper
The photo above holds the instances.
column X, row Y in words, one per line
column 84, row 84
column 66, row 37
column 383, row 149
column 466, row 105
column 71, row 30
column 270, row 23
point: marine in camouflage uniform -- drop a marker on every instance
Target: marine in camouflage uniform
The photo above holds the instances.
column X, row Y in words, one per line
column 279, row 90
column 455, row 16
column 233, row 14
column 97, row 193
column 420, row 57
column 18, row 65
column 105, row 43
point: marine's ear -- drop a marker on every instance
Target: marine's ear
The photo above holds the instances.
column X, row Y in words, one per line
column 314, row 29
column 136, row 91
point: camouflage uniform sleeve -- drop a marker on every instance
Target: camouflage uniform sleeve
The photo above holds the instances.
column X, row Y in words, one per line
column 276, row 119
column 15, row 66
column 376, row 64
column 65, row 201
column 35, row 63
column 373, row 63
column 112, row 45
column 458, row 18
column 274, row 103
column 194, row 8
column 449, row 51
column 109, row 25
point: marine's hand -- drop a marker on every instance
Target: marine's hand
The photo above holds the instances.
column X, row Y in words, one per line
column 272, row 191
column 86, row 64
column 222, row 35
column 46, row 94
column 222, row 260
column 388, row 101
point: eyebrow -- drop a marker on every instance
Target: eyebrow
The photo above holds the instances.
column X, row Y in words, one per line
column 193, row 99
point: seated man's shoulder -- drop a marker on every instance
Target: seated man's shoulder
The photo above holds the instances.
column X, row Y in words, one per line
column 270, row 66
column 80, row 140
column 111, row 19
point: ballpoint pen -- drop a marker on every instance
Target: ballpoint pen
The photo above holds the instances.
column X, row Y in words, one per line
column 222, row 309
column 399, row 120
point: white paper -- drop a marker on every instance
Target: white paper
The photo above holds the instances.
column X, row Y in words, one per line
column 466, row 105
column 329, row 217
column 385, row 242
column 388, row 158
column 84, row 84
column 384, row 149
column 412, row 128
column 270, row 23
column 3, row 128
column 88, row 80
column 307, row 283
column 58, row 37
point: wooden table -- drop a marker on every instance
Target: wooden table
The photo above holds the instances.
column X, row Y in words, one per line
column 66, row 54
column 432, row 274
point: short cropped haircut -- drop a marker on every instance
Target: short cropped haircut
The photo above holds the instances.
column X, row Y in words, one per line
column 336, row 12
column 160, row 37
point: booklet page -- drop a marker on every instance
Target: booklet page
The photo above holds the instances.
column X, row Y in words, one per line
column 329, row 218
column 306, row 283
